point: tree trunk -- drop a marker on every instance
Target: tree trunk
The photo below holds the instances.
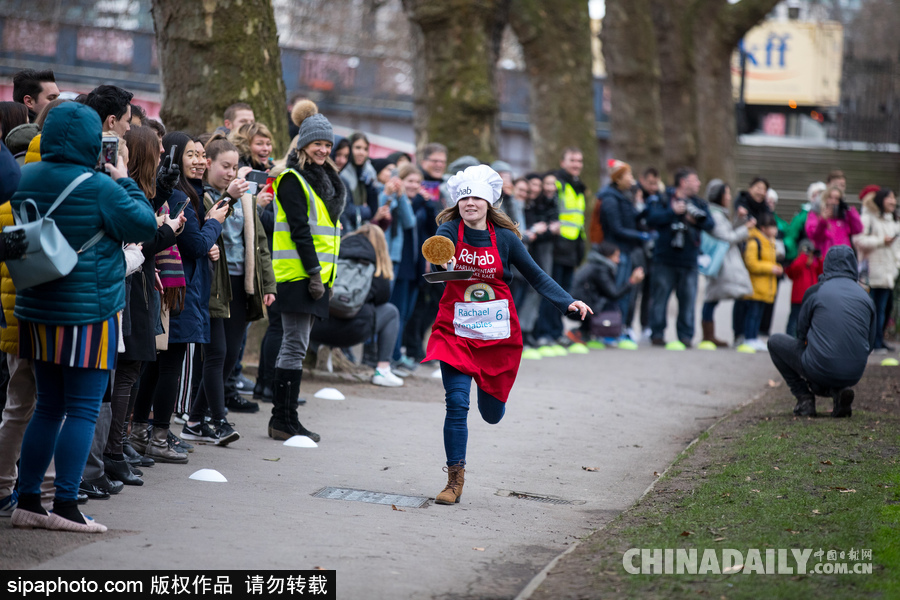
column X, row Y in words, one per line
column 457, row 43
column 695, row 41
column 215, row 53
column 556, row 40
column 671, row 21
column 633, row 79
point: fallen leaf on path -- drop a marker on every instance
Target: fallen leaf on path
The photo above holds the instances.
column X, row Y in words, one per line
column 774, row 384
column 319, row 569
column 272, row 459
column 591, row 468
column 394, row 506
column 686, row 533
column 477, row 548
column 655, row 474
column 826, row 462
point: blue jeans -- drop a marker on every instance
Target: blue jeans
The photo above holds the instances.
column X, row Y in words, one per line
column 69, row 393
column 683, row 280
column 793, row 318
column 623, row 273
column 403, row 296
column 457, row 386
column 881, row 297
column 752, row 319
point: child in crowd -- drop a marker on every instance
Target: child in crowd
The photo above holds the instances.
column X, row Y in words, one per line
column 760, row 256
column 804, row 271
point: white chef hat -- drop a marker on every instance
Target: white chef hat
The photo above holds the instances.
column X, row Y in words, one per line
column 479, row 181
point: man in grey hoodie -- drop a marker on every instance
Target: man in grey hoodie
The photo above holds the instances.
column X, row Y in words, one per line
column 835, row 334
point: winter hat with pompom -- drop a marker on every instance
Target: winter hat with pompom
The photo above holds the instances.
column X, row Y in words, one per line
column 313, row 126
column 479, row 181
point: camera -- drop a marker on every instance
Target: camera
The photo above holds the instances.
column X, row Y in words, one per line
column 679, row 230
column 696, row 212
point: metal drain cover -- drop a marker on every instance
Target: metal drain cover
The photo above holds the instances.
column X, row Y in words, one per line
column 334, row 493
column 537, row 497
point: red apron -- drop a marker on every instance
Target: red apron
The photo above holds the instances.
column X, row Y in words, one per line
column 477, row 328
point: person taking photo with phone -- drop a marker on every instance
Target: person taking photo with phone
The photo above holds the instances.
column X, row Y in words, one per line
column 880, row 250
column 243, row 285
column 69, row 326
column 196, row 246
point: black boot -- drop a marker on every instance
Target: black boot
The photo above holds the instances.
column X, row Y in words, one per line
column 806, row 406
column 119, row 470
column 293, row 402
column 842, row 403
column 280, row 425
column 131, row 455
column 262, row 390
column 285, row 423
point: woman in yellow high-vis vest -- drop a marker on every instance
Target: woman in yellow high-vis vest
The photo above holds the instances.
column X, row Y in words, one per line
column 309, row 200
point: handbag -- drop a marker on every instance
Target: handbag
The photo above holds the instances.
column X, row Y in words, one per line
column 48, row 255
column 712, row 255
column 607, row 324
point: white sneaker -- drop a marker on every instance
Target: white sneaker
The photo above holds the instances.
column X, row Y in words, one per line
column 646, row 334
column 385, row 378
column 758, row 345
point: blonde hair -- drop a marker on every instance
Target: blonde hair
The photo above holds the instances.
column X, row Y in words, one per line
column 497, row 217
column 243, row 137
column 383, row 265
column 408, row 169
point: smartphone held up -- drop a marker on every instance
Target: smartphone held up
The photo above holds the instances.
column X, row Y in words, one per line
column 109, row 152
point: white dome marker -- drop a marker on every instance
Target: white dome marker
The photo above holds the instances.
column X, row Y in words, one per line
column 209, row 475
column 301, row 441
column 329, row 394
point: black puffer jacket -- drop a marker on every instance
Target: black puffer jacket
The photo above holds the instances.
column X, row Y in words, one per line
column 293, row 296
column 342, row 333
column 837, row 322
column 595, row 282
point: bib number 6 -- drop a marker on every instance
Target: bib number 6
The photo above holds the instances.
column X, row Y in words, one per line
column 499, row 315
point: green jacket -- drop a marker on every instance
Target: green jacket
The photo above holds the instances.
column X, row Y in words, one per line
column 261, row 277
column 795, row 232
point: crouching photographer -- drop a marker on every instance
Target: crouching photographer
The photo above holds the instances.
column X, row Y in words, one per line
column 679, row 221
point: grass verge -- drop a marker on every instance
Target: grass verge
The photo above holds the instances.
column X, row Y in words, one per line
column 763, row 479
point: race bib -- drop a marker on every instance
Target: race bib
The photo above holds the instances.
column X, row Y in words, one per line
column 482, row 320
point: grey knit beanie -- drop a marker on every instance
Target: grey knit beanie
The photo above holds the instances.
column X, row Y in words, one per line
column 714, row 190
column 315, row 127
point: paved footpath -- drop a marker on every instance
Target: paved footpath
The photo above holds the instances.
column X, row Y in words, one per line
column 625, row 414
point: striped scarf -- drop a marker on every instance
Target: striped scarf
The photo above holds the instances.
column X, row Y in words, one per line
column 171, row 274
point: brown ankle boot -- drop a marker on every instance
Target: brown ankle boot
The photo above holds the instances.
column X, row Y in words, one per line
column 159, row 450
column 456, row 477
column 140, row 437
column 709, row 334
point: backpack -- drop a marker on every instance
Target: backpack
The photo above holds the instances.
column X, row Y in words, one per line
column 48, row 255
column 351, row 287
